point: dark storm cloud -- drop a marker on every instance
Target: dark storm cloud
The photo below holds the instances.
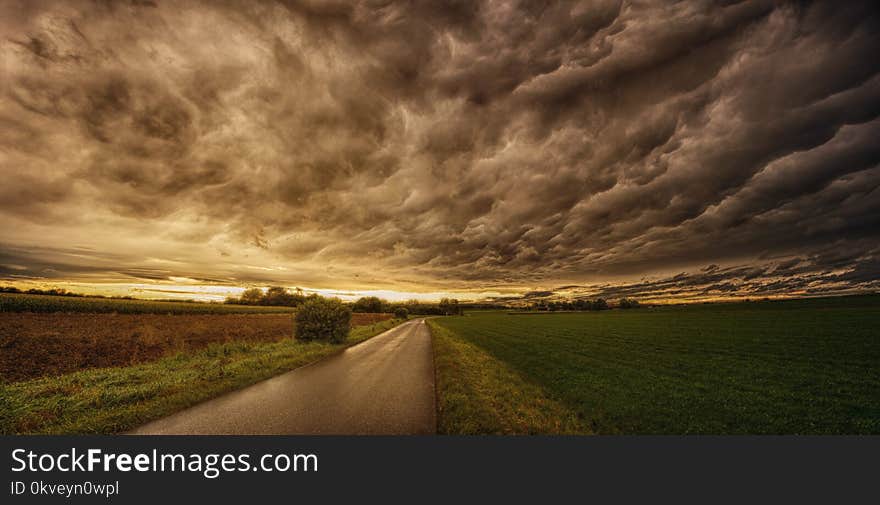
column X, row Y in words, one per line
column 446, row 143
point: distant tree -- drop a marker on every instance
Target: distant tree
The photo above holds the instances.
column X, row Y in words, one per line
column 417, row 307
column 275, row 295
column 626, row 303
column 599, row 304
column 401, row 313
column 323, row 319
column 449, row 307
column 252, row 296
column 279, row 296
column 369, row 304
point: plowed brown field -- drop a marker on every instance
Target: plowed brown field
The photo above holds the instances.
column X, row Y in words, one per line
column 34, row 345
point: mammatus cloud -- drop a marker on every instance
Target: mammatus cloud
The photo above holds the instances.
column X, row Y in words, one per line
column 443, row 145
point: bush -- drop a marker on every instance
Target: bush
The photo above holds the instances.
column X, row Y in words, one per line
column 401, row 313
column 323, row 319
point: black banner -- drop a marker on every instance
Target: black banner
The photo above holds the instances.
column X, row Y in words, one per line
column 127, row 469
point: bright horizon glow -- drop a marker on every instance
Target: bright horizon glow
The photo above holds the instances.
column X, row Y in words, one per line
column 215, row 293
column 219, row 293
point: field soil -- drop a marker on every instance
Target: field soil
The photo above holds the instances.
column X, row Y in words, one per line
column 25, row 302
column 42, row 344
column 116, row 399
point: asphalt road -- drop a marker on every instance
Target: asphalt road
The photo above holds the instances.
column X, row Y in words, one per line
column 384, row 385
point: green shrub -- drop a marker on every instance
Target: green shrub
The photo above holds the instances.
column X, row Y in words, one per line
column 401, row 313
column 323, row 319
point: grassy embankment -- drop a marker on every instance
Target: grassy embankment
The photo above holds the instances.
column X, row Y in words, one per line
column 109, row 400
column 479, row 394
column 788, row 367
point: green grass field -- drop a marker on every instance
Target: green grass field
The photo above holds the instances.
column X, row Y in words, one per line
column 478, row 394
column 20, row 302
column 110, row 400
column 788, row 367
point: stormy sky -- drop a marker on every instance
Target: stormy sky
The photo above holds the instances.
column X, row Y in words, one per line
column 681, row 149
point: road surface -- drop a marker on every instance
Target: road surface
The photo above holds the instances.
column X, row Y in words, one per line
column 384, row 385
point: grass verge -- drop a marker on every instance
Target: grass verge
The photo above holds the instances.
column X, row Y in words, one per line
column 478, row 394
column 111, row 400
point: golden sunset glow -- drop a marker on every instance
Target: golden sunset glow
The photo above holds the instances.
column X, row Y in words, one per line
column 407, row 151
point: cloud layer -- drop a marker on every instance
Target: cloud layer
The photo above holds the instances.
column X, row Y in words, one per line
column 442, row 145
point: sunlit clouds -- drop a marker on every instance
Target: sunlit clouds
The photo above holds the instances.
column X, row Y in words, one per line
column 665, row 150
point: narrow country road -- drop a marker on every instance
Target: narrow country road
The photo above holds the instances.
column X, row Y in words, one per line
column 384, row 385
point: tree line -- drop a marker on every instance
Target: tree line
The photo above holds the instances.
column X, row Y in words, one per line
column 280, row 296
column 277, row 295
column 284, row 297
column 273, row 296
column 582, row 305
column 446, row 306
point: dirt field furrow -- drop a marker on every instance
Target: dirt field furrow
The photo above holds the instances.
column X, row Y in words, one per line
column 39, row 344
